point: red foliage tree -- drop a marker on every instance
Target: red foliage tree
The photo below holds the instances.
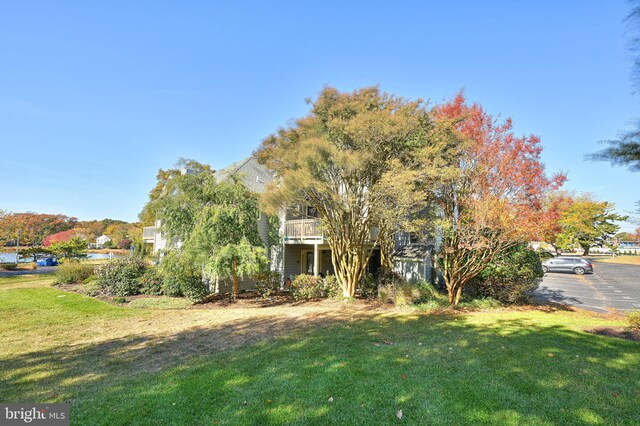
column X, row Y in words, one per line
column 60, row 236
column 496, row 198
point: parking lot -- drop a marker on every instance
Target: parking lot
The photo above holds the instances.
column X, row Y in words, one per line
column 610, row 287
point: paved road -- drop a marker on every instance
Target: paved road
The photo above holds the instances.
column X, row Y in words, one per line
column 40, row 270
column 610, row 287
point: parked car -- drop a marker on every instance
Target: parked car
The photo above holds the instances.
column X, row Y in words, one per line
column 568, row 264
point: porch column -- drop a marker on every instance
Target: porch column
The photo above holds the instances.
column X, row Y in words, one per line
column 316, row 260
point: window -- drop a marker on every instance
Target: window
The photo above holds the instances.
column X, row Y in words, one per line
column 312, row 212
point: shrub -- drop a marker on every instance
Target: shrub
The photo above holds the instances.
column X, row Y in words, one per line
column 8, row 266
column 388, row 283
column 267, row 283
column 91, row 287
column 125, row 244
column 633, row 318
column 369, row 287
column 332, row 287
column 151, row 282
column 510, row 278
column 306, row 287
column 73, row 272
column 309, row 287
column 120, row 277
column 181, row 278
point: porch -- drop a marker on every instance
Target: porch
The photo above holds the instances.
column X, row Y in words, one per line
column 315, row 259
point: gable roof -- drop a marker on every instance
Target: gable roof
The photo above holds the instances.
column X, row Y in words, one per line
column 254, row 175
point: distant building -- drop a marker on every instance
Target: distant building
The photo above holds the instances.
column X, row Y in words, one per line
column 102, row 240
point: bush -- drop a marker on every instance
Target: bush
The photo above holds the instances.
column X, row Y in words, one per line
column 125, row 244
column 633, row 318
column 332, row 288
column 91, row 287
column 181, row 278
column 306, row 287
column 309, row 287
column 388, row 283
column 73, row 272
column 151, row 282
column 267, row 283
column 510, row 278
column 9, row 266
column 120, row 277
column 369, row 287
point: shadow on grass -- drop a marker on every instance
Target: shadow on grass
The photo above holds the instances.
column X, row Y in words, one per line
column 436, row 368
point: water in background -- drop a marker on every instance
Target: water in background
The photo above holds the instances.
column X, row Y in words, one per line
column 10, row 257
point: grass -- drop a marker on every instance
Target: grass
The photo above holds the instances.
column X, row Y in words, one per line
column 624, row 260
column 143, row 366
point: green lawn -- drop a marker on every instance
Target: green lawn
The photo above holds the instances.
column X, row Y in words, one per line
column 120, row 365
column 622, row 259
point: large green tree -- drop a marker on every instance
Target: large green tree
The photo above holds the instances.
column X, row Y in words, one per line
column 210, row 225
column 335, row 159
column 588, row 222
column 225, row 239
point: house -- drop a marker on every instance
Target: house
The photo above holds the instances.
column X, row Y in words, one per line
column 102, row 240
column 303, row 247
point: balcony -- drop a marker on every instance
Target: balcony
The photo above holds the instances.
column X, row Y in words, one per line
column 310, row 231
column 303, row 230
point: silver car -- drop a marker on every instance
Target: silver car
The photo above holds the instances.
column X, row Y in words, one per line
column 567, row 264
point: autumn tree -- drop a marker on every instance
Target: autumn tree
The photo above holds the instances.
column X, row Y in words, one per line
column 492, row 199
column 33, row 227
column 555, row 205
column 334, row 160
column 588, row 222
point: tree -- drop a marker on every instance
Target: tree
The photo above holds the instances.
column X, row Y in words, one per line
column 75, row 248
column 34, row 252
column 33, row 227
column 225, row 238
column 167, row 186
column 492, row 199
column 625, row 150
column 555, row 205
column 587, row 223
column 335, row 159
column 59, row 237
column 216, row 223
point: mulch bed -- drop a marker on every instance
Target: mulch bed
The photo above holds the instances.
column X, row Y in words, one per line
column 619, row 332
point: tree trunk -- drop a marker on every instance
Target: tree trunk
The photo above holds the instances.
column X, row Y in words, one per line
column 236, row 286
column 386, row 250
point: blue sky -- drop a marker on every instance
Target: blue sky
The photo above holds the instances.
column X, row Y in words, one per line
column 95, row 97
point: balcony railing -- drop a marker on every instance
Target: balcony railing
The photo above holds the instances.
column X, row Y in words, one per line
column 311, row 230
column 303, row 229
